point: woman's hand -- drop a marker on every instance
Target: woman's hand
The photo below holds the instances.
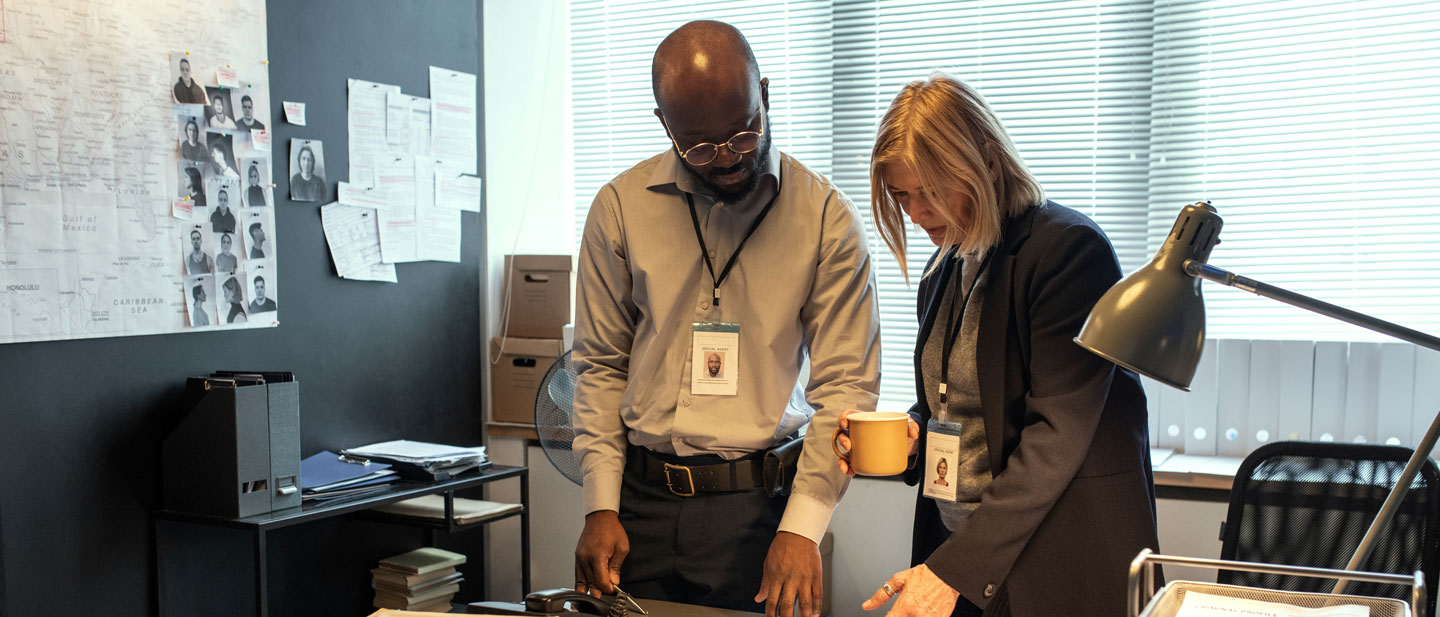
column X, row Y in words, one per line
column 912, row 439
column 918, row 593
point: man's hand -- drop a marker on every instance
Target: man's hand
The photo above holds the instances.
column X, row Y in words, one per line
column 602, row 548
column 792, row 568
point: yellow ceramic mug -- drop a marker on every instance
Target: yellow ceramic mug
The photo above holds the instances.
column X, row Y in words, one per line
column 877, row 442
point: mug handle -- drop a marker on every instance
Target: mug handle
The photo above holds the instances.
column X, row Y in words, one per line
column 835, row 445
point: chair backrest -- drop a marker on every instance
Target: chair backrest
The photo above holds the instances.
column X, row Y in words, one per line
column 1309, row 504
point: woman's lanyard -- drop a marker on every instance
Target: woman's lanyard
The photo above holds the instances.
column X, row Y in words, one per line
column 705, row 252
column 952, row 327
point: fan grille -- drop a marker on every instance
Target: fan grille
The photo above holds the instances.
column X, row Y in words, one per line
column 554, row 404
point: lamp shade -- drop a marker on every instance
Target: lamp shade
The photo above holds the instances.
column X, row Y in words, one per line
column 1153, row 321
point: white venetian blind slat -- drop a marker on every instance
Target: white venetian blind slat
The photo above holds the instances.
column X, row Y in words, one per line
column 1071, row 82
column 1313, row 128
column 612, row 47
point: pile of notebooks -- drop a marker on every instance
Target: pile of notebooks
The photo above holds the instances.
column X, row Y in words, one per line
column 418, row 460
column 327, row 475
column 421, row 580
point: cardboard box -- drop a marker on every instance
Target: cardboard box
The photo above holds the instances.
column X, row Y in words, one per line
column 515, row 379
column 538, row 289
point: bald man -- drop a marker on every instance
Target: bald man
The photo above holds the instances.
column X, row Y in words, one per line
column 720, row 244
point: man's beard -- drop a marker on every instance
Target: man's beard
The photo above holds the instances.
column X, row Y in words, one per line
column 758, row 164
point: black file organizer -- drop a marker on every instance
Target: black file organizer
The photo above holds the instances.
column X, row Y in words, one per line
column 236, row 452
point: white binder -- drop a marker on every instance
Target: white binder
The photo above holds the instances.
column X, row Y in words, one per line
column 1198, row 407
column 1327, row 412
column 1232, row 401
column 1262, row 424
column 1361, row 389
column 1297, row 377
column 1395, row 395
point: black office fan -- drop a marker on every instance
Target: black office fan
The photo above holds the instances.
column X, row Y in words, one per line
column 553, row 406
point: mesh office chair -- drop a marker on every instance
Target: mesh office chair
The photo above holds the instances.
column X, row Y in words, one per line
column 1309, row 503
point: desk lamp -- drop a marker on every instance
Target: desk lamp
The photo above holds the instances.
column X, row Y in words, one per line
column 1153, row 322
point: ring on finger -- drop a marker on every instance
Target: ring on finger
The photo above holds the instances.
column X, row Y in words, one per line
column 889, row 591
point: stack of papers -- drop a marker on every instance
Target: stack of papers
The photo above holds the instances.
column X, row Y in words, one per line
column 421, row 460
column 328, row 475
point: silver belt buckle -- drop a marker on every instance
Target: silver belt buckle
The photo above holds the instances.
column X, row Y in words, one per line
column 671, row 475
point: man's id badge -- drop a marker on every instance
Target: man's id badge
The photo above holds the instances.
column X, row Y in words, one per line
column 942, row 444
column 715, row 359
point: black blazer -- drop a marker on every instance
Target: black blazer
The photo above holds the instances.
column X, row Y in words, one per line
column 1072, row 499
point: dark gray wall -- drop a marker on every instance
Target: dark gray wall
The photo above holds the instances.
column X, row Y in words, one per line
column 81, row 421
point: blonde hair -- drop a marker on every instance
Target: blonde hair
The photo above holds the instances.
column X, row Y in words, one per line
column 943, row 130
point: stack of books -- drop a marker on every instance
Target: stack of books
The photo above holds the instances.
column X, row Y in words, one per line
column 418, row 460
column 327, row 475
column 421, row 580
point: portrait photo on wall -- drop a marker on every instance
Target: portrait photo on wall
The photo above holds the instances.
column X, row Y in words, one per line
column 255, row 172
column 191, row 137
column 200, row 300
column 255, row 226
column 219, row 114
column 190, row 180
column 221, row 157
column 232, row 297
column 307, row 170
column 262, row 288
column 253, row 104
column 224, row 199
column 198, row 250
column 185, row 77
column 227, row 259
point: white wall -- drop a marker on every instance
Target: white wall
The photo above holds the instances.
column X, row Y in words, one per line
column 529, row 194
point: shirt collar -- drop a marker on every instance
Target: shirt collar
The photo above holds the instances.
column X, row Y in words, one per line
column 671, row 173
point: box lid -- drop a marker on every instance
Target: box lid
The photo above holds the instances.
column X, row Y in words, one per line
column 540, row 263
column 539, row 347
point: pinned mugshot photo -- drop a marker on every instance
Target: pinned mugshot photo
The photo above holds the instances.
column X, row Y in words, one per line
column 219, row 115
column 200, row 300
column 197, row 251
column 233, row 294
column 257, row 240
column 187, row 87
column 256, row 172
column 262, row 298
column 247, row 121
column 190, row 180
column 307, row 170
column 191, row 138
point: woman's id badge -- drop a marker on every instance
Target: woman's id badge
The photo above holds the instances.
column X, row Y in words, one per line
column 715, row 359
column 942, row 444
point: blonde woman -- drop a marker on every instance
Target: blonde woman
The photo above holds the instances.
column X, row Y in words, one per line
column 1050, row 492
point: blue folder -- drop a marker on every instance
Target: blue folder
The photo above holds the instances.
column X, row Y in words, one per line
column 325, row 470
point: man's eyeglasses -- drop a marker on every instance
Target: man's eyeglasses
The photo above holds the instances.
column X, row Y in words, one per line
column 743, row 142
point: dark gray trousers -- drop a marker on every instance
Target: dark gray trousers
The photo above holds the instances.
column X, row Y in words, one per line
column 707, row 550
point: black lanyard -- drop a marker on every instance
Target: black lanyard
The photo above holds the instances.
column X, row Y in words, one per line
column 952, row 327
column 705, row 252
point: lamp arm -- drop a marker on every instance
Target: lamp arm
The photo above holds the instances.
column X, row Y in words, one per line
column 1427, row 443
column 1208, row 272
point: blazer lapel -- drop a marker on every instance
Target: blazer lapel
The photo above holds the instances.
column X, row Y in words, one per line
column 992, row 339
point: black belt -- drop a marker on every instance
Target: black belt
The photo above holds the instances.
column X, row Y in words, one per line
column 688, row 480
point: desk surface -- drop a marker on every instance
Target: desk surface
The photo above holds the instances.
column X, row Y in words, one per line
column 398, row 491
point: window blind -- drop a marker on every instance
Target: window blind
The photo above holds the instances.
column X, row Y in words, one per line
column 614, row 42
column 1070, row 81
column 1314, row 129
column 1311, row 126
